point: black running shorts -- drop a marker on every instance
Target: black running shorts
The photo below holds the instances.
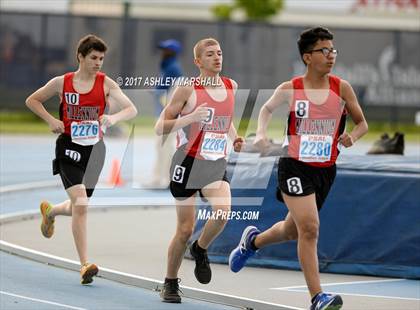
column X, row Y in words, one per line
column 189, row 174
column 296, row 178
column 78, row 164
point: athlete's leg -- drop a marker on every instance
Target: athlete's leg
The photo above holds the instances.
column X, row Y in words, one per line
column 185, row 211
column 62, row 208
column 219, row 196
column 281, row 231
column 304, row 211
column 79, row 202
column 165, row 157
column 252, row 239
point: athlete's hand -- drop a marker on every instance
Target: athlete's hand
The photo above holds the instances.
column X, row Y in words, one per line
column 56, row 126
column 201, row 113
column 261, row 142
column 346, row 139
column 107, row 120
column 238, row 143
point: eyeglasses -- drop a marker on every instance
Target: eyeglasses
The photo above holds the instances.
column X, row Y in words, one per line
column 326, row 51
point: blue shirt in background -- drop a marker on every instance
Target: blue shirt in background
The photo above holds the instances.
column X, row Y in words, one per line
column 169, row 68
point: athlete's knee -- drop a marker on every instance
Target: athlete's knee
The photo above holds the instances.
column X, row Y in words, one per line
column 79, row 210
column 309, row 231
column 226, row 206
column 79, row 199
column 222, row 213
column 184, row 232
column 79, row 206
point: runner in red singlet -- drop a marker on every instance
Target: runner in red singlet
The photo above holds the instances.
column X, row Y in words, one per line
column 80, row 150
column 318, row 104
column 202, row 116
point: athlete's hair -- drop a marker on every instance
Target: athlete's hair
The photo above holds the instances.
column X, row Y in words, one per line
column 202, row 44
column 90, row 43
column 310, row 37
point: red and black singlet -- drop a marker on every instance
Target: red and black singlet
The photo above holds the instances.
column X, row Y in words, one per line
column 208, row 139
column 313, row 129
column 80, row 112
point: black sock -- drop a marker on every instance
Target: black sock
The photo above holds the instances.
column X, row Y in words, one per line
column 253, row 246
column 197, row 248
column 167, row 280
column 315, row 296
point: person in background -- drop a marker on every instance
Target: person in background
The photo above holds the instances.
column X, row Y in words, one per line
column 165, row 145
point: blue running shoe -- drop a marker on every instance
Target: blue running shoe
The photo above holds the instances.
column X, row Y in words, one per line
column 243, row 251
column 327, row 302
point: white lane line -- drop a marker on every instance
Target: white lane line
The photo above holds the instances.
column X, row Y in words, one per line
column 338, row 283
column 142, row 282
column 244, row 298
column 363, row 295
column 42, row 301
column 28, row 186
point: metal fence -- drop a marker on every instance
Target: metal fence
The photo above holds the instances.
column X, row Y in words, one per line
column 382, row 66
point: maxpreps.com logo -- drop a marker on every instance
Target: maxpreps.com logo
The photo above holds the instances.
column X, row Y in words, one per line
column 73, row 155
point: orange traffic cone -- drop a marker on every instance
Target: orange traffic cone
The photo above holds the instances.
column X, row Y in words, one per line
column 115, row 174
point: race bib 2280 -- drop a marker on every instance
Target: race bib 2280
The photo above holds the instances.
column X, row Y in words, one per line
column 315, row 148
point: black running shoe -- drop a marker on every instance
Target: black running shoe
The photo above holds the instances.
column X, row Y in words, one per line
column 170, row 291
column 202, row 269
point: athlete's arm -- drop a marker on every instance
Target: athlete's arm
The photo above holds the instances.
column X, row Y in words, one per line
column 125, row 107
column 234, row 86
column 233, row 134
column 35, row 103
column 356, row 113
column 238, row 141
column 280, row 96
column 169, row 121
